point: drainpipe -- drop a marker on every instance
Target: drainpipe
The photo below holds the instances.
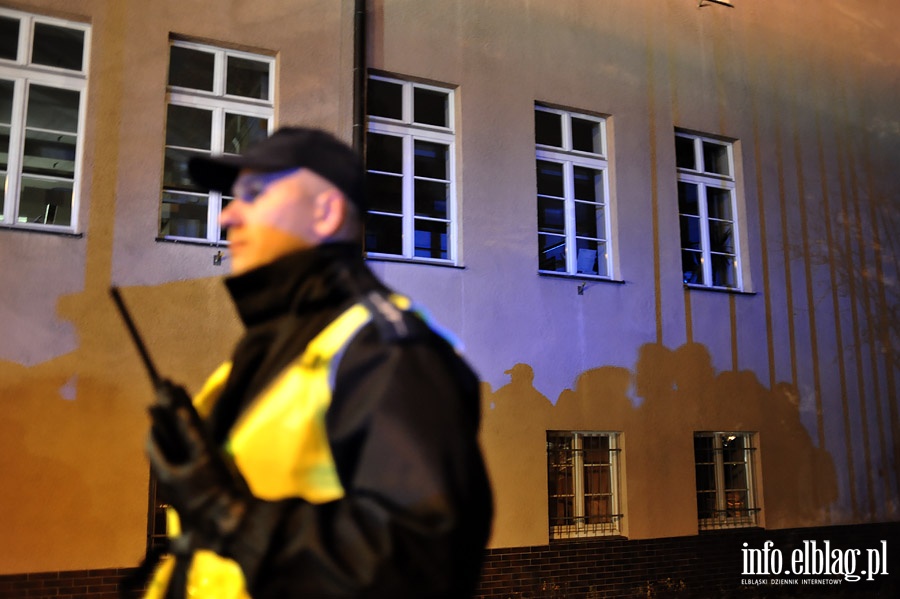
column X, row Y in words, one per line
column 359, row 75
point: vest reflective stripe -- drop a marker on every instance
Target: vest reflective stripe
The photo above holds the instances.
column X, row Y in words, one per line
column 279, row 444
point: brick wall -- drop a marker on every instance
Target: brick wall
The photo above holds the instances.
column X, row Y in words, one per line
column 78, row 584
column 707, row 566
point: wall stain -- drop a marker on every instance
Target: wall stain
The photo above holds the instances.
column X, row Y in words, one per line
column 669, row 394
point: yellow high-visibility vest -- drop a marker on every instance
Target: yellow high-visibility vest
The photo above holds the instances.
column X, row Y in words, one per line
column 279, row 444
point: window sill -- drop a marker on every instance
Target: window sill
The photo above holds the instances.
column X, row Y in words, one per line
column 726, row 290
column 579, row 277
column 200, row 242
column 617, row 536
column 21, row 229
column 441, row 263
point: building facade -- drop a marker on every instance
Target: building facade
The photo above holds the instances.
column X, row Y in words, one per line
column 665, row 231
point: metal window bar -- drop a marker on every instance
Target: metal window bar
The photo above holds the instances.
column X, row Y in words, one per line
column 734, row 506
column 569, row 513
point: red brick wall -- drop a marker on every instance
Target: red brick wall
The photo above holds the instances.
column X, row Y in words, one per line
column 95, row 584
column 706, row 566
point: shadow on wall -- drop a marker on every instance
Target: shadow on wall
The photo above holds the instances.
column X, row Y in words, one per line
column 679, row 393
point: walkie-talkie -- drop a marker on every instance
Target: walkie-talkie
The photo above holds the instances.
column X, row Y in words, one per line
column 170, row 398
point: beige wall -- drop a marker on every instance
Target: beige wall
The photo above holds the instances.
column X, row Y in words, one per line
column 808, row 359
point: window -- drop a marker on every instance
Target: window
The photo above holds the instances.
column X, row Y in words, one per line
column 43, row 78
column 572, row 192
column 219, row 102
column 583, row 484
column 724, row 470
column 707, row 212
column 410, row 159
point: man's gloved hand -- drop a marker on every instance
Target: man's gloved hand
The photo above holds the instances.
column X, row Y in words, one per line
column 210, row 498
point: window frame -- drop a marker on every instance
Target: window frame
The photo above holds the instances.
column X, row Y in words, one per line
column 410, row 132
column 579, row 528
column 750, row 517
column 217, row 102
column 24, row 73
column 705, row 179
column 570, row 158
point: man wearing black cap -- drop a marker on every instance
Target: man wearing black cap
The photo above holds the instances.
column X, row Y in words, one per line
column 352, row 425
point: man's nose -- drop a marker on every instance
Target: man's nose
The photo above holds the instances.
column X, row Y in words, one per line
column 232, row 214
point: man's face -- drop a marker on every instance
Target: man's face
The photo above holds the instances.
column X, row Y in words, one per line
column 277, row 222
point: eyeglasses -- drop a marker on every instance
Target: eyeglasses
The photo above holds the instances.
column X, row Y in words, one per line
column 247, row 187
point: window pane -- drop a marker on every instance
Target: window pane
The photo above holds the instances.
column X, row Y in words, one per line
column 384, row 153
column 188, row 127
column 9, row 38
column 684, row 153
column 549, row 178
column 590, row 220
column 242, row 131
column 692, row 267
column 703, row 449
column 551, row 216
column 384, row 98
column 721, row 236
column 247, row 78
column 688, row 202
column 384, row 234
column 52, row 108
column 718, row 203
column 430, row 107
column 56, row 46
column 183, row 215
column 706, row 477
column 548, row 128
column 175, row 169
column 6, row 98
column 735, row 476
column 430, row 239
column 430, row 160
column 723, row 271
column 690, row 232
column 191, row 68
column 591, row 257
column 6, row 92
column 588, row 184
column 46, row 202
column 431, row 198
column 715, row 158
column 552, row 252
column 49, row 154
column 385, row 193
column 586, row 136
column 736, row 504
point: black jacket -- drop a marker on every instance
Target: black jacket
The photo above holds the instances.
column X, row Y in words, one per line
column 402, row 425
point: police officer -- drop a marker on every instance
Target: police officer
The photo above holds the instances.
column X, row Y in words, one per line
column 350, row 423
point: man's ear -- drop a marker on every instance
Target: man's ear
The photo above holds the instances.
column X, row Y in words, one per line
column 330, row 210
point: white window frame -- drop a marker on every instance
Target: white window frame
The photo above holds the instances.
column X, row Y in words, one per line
column 722, row 519
column 580, row 528
column 705, row 179
column 23, row 73
column 218, row 102
column 412, row 132
column 570, row 158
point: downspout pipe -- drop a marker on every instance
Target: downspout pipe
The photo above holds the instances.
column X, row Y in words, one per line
column 359, row 76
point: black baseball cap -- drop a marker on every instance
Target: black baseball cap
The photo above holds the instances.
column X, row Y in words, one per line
column 288, row 148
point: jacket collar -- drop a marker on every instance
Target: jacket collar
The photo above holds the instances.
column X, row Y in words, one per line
column 328, row 274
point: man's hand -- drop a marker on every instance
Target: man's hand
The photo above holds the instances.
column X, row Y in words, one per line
column 209, row 498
